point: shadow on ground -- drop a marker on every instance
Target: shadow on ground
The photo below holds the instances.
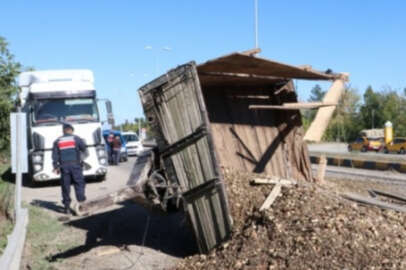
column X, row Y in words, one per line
column 53, row 206
column 134, row 225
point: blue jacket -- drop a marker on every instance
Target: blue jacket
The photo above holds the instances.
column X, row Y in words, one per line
column 67, row 149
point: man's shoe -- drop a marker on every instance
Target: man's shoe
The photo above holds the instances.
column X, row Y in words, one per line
column 67, row 211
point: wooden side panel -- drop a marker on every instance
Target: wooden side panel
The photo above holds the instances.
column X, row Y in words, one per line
column 175, row 106
column 261, row 141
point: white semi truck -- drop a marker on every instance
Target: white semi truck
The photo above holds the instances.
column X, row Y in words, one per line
column 51, row 98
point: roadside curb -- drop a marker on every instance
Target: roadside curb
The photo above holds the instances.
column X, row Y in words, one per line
column 11, row 258
column 358, row 161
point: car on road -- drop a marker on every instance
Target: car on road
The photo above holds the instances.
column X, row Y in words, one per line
column 365, row 144
column 398, row 145
column 133, row 143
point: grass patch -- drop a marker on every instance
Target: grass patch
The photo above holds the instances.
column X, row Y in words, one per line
column 6, row 206
column 46, row 236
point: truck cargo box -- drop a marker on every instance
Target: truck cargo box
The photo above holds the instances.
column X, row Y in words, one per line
column 202, row 119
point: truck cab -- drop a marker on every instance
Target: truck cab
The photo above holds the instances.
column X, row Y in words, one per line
column 51, row 98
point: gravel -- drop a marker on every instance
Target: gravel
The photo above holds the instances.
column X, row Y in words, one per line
column 307, row 227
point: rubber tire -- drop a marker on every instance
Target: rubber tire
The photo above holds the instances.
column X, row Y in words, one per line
column 349, row 148
column 363, row 149
column 385, row 150
column 402, row 151
column 101, row 178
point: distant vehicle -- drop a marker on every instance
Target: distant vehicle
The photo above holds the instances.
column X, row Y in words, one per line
column 398, row 145
column 52, row 97
column 133, row 144
column 365, row 144
column 123, row 151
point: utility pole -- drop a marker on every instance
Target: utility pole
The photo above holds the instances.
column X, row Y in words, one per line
column 373, row 118
column 256, row 23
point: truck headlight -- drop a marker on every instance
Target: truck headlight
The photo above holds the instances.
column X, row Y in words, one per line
column 37, row 158
column 103, row 161
column 37, row 167
column 101, row 152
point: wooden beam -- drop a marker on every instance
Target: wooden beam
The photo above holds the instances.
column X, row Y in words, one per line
column 272, row 181
column 324, row 114
column 133, row 191
column 374, row 202
column 271, row 197
column 322, row 169
column 392, row 195
column 292, row 106
column 252, row 52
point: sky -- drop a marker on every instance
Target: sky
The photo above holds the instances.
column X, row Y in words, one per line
column 365, row 38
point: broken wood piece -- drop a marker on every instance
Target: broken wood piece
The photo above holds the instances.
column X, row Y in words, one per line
column 252, row 52
column 107, row 251
column 321, row 171
column 293, row 106
column 372, row 201
column 133, row 191
column 271, row 197
column 272, row 181
column 391, row 195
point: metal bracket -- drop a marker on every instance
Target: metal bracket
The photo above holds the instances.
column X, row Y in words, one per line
column 181, row 144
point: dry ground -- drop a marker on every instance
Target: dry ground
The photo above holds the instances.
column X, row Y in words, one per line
column 308, row 227
column 122, row 237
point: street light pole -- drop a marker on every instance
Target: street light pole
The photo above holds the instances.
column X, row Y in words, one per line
column 165, row 48
column 256, row 23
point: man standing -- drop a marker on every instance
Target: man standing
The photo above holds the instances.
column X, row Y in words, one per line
column 110, row 140
column 116, row 150
column 66, row 157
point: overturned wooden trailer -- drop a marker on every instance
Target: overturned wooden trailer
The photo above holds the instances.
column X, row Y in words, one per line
column 236, row 111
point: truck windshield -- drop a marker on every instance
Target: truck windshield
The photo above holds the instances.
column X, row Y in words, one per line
column 51, row 111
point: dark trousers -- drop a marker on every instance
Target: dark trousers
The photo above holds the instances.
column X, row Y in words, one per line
column 116, row 157
column 72, row 173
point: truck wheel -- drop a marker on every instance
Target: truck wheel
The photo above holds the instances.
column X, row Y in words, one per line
column 101, row 178
column 364, row 149
column 349, row 148
column 385, row 150
column 402, row 151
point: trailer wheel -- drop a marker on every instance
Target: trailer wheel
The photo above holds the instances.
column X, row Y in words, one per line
column 385, row 150
column 402, row 151
column 364, row 149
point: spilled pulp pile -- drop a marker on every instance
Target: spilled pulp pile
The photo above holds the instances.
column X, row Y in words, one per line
column 307, row 227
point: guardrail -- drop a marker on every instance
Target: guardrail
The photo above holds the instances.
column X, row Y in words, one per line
column 361, row 161
column 11, row 258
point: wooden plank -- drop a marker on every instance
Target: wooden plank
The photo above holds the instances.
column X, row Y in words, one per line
column 292, row 106
column 392, row 195
column 324, row 114
column 321, row 171
column 273, row 181
column 134, row 192
column 179, row 108
column 372, row 201
column 240, row 63
column 271, row 197
column 252, row 52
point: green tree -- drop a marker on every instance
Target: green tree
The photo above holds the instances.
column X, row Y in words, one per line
column 316, row 94
column 345, row 124
column 9, row 70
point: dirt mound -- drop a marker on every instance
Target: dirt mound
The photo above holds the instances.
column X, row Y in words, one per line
column 308, row 227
